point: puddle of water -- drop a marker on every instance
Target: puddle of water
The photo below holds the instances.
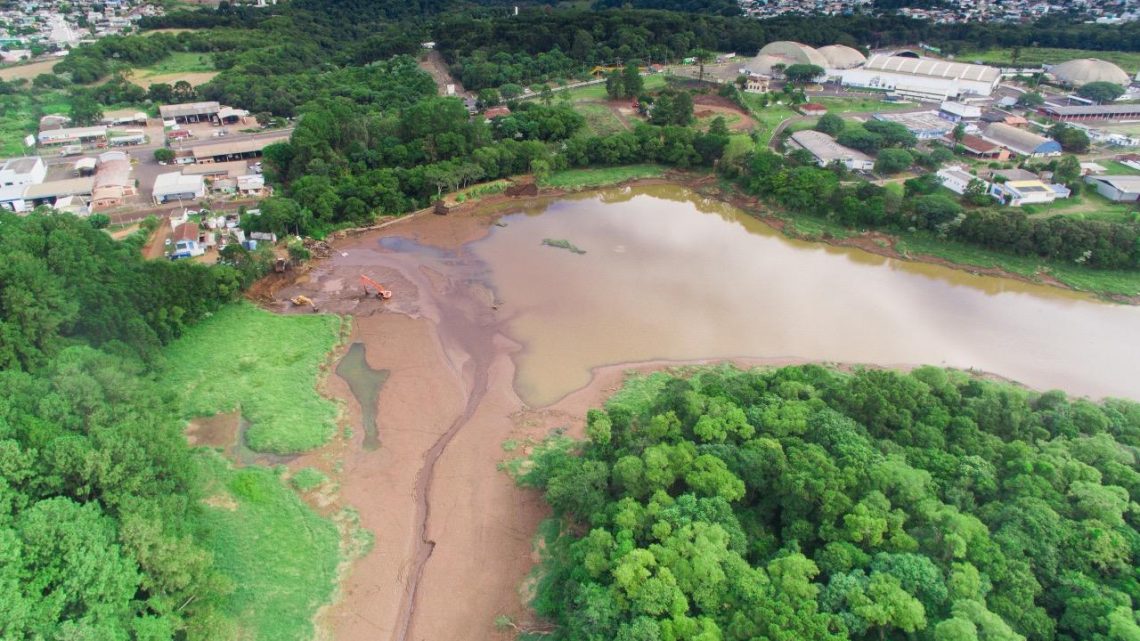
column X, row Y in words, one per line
column 671, row 275
column 365, row 384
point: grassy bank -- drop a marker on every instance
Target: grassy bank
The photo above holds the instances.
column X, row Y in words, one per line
column 1034, row 56
column 1102, row 282
column 572, row 179
column 178, row 62
column 263, row 364
column 280, row 556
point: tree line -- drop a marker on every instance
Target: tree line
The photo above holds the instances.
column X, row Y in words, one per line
column 806, row 504
column 99, row 493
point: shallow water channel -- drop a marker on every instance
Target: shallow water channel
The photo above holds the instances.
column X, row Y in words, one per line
column 667, row 274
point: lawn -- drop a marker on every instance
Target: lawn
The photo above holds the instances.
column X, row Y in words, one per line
column 1033, row 56
column 599, row 177
column 1091, row 280
column 600, row 119
column 280, row 557
column 1089, row 204
column 1117, row 168
column 862, row 105
column 266, row 365
column 767, row 118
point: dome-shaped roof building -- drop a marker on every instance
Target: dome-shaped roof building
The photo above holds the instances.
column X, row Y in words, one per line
column 795, row 53
column 762, row 63
column 1085, row 70
column 841, row 57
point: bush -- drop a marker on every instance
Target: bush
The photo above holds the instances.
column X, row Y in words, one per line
column 99, row 221
column 164, row 154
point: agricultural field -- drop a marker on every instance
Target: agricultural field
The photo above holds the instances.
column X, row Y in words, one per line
column 1033, row 56
column 600, row 118
column 265, row 365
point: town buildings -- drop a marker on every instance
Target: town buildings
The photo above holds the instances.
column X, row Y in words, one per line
column 826, row 151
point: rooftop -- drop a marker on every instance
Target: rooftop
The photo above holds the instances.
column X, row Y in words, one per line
column 239, row 147
column 1130, row 184
column 825, row 148
column 932, row 67
column 189, row 109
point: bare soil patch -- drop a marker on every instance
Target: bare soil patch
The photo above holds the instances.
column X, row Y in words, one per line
column 28, row 71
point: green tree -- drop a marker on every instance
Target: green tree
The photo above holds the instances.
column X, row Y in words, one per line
column 164, row 155
column 632, row 83
column 892, row 161
column 1101, row 91
column 830, row 124
column 802, row 73
column 1030, row 100
column 84, row 110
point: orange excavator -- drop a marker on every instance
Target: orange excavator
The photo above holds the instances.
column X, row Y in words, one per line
column 381, row 293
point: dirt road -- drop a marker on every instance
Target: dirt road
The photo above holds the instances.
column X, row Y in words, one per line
column 434, row 64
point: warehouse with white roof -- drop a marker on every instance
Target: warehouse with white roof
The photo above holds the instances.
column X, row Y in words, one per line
column 923, row 78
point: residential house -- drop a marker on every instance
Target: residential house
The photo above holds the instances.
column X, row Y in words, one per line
column 757, row 83
column 959, row 112
column 175, row 186
column 812, row 109
column 955, row 178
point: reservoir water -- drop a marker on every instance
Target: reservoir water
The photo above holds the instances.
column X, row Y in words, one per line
column 667, row 274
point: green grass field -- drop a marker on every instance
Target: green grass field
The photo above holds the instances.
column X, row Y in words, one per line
column 265, row 365
column 599, row 177
column 1033, row 56
column 178, row 62
column 20, row 115
column 598, row 91
column 861, row 105
column 1116, row 168
column 767, row 118
column 600, row 119
column 280, row 556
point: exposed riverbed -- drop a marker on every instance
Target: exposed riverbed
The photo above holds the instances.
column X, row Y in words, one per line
column 488, row 326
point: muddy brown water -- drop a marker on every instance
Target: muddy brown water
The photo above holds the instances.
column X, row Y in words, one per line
column 668, row 274
column 364, row 382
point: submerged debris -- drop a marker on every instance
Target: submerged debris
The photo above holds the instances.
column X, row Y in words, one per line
column 562, row 244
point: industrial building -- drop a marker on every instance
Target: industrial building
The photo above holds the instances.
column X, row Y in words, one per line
column 959, row 112
column 176, row 186
column 923, row 78
column 826, row 151
column 241, row 150
column 1121, row 189
column 191, row 112
column 113, row 180
column 979, row 147
column 73, row 135
column 1082, row 71
column 1069, row 113
column 1020, row 141
column 840, row 57
column 925, row 125
column 23, row 171
column 955, row 178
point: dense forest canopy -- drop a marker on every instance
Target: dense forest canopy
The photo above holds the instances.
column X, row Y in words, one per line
column 806, row 504
column 97, row 489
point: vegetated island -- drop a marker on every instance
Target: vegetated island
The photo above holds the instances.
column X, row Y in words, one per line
column 563, row 244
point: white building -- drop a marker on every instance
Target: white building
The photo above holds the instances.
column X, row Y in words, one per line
column 73, row 135
column 29, row 170
column 1116, row 188
column 958, row 112
column 955, row 178
column 826, row 150
column 1016, row 193
column 923, row 78
column 176, row 186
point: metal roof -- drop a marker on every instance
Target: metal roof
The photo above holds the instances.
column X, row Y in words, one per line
column 1091, row 110
column 824, row 147
column 57, row 188
column 933, row 68
column 1129, row 184
column 239, row 147
column 189, row 109
column 1018, row 140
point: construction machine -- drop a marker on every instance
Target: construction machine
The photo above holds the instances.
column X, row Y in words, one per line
column 381, row 293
